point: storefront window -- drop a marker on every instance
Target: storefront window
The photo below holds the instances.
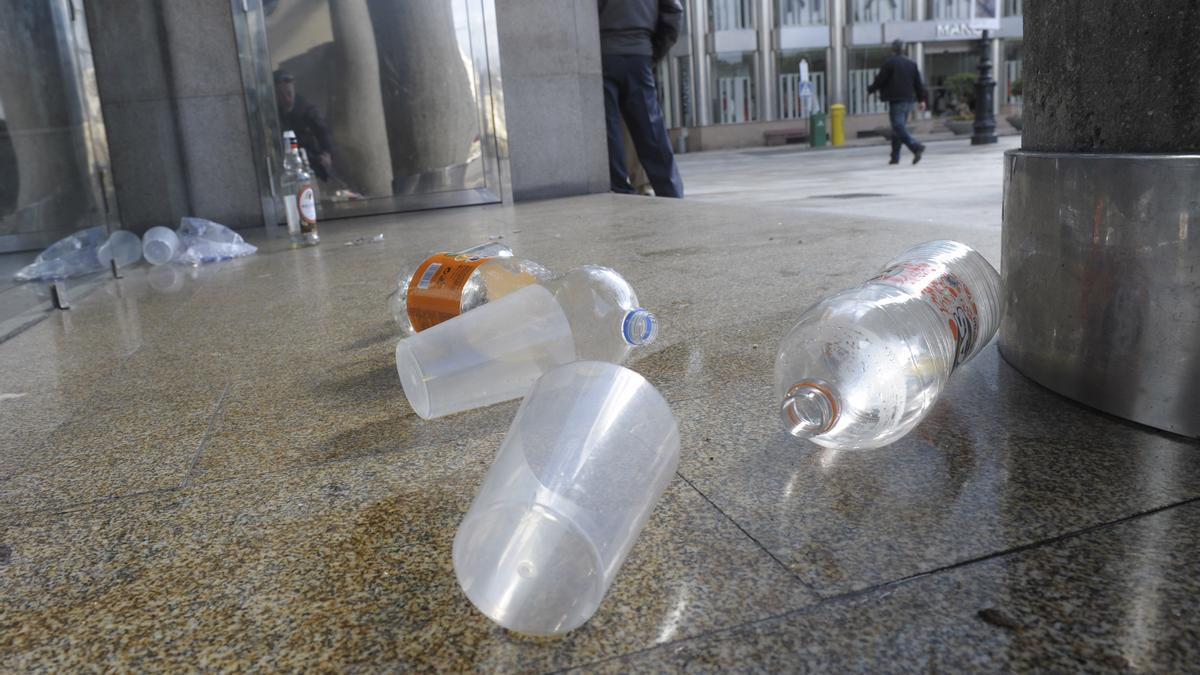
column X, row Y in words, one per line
column 877, row 11
column 733, row 88
column 731, row 14
column 791, row 104
column 1014, row 7
column 685, row 91
column 862, row 64
column 948, row 9
column 1012, row 71
column 803, row 12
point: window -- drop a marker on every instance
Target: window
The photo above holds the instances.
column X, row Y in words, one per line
column 877, row 11
column 862, row 65
column 731, row 14
column 1013, row 7
column 803, row 12
column 949, row 9
column 791, row 103
column 733, row 88
column 1012, row 70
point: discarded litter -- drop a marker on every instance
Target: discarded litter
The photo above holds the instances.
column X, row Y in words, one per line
column 377, row 239
column 449, row 284
column 160, row 245
column 590, row 452
column 204, row 241
column 496, row 351
column 83, row 252
column 122, row 247
column 864, row 366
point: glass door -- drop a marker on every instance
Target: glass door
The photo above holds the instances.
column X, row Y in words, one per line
column 396, row 103
column 53, row 154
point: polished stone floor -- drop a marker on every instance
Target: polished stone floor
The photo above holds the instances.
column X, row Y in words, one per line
column 217, row 469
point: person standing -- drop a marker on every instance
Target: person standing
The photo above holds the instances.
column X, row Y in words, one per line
column 899, row 83
column 634, row 34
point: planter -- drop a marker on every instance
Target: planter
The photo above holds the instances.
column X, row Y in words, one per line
column 961, row 127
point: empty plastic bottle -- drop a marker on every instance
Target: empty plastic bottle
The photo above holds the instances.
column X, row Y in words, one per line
column 496, row 352
column 863, row 367
column 445, row 285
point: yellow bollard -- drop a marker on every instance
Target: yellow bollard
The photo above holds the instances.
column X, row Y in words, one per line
column 837, row 126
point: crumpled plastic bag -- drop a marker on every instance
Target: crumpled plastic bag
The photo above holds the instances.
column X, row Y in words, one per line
column 204, row 241
column 71, row 256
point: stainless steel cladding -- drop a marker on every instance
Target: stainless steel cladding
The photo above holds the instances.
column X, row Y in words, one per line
column 1101, row 266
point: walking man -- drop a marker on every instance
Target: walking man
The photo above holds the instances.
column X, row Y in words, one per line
column 899, row 83
column 633, row 35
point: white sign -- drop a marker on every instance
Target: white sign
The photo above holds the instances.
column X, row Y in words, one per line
column 957, row 30
column 805, row 90
column 984, row 15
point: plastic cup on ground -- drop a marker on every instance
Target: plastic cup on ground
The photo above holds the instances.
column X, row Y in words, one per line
column 490, row 354
column 159, row 245
column 122, row 246
column 591, row 450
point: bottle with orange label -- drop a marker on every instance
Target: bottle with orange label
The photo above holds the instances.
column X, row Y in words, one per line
column 865, row 366
column 445, row 285
column 299, row 195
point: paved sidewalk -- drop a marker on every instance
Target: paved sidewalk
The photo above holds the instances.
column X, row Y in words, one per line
column 955, row 183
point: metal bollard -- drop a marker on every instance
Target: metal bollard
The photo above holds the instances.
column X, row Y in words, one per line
column 837, row 126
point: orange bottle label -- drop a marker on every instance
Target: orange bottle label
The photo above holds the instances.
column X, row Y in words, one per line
column 435, row 290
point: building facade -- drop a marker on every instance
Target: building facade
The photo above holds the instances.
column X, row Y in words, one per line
column 734, row 75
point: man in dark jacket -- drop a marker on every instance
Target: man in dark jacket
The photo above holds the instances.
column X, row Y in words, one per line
column 633, row 35
column 302, row 117
column 899, row 83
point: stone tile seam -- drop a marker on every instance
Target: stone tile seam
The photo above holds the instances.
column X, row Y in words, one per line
column 212, row 422
column 850, row 595
column 787, row 570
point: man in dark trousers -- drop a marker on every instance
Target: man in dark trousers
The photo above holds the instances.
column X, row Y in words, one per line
column 899, row 83
column 633, row 35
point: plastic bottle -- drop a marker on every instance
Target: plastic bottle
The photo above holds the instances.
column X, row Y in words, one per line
column 495, row 352
column 299, row 196
column 864, row 366
column 449, row 284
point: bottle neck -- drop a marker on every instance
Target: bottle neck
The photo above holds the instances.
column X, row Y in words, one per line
column 640, row 327
column 810, row 408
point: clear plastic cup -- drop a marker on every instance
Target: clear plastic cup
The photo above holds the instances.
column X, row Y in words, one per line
column 491, row 354
column 591, row 450
column 159, row 245
column 122, row 246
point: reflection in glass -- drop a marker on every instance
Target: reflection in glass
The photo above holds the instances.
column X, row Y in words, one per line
column 879, row 11
column 733, row 88
column 380, row 94
column 45, row 172
column 803, row 12
column 791, row 104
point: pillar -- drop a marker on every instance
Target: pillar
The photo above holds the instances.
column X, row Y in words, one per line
column 1101, row 238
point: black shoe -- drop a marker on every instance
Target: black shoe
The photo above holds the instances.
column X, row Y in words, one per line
column 894, row 160
column 917, row 154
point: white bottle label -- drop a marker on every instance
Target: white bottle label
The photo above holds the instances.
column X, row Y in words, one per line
column 307, row 204
column 948, row 295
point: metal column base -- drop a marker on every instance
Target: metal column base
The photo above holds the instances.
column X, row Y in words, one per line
column 1101, row 265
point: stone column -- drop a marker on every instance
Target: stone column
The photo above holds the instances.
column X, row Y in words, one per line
column 360, row 131
column 1101, row 242
column 427, row 94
